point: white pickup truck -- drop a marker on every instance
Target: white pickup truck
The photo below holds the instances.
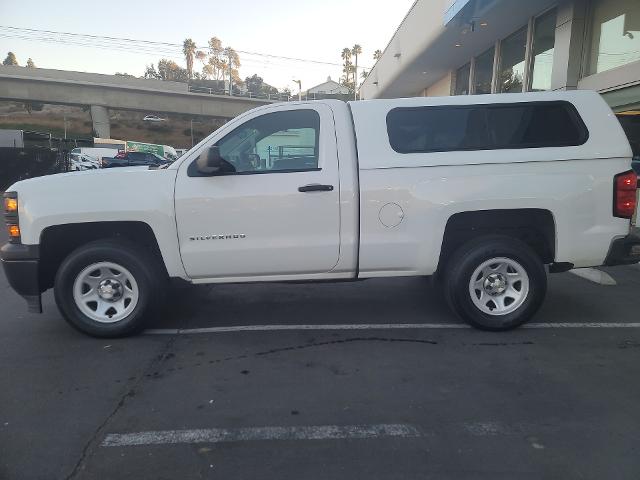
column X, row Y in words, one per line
column 484, row 193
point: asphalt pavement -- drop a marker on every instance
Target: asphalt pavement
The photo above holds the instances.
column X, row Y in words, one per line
column 399, row 390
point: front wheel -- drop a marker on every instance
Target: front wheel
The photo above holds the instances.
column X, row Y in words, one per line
column 495, row 283
column 108, row 288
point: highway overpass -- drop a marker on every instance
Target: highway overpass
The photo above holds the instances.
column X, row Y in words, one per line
column 102, row 92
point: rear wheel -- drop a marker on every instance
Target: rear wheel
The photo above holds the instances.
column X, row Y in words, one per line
column 495, row 283
column 108, row 288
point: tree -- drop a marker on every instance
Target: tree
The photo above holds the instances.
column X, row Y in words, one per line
column 257, row 86
column 169, row 70
column 233, row 63
column 189, row 50
column 355, row 51
column 11, row 59
column 201, row 56
column 377, row 54
column 215, row 69
column 347, row 69
column 30, row 63
column 346, row 55
column 151, row 72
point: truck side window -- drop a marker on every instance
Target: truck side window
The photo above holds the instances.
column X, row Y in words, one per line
column 485, row 127
column 274, row 142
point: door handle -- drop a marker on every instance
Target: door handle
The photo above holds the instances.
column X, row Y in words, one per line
column 316, row 187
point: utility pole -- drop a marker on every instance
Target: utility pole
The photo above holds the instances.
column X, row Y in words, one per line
column 299, row 82
column 65, row 127
column 192, row 132
column 230, row 66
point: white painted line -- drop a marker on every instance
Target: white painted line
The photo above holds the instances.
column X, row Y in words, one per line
column 219, row 435
column 373, row 326
column 582, row 325
column 594, row 275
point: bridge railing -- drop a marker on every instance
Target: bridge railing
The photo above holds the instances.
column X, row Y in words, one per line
column 276, row 97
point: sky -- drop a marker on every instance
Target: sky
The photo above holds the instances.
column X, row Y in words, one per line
column 312, row 30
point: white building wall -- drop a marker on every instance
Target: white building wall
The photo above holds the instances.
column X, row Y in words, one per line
column 442, row 88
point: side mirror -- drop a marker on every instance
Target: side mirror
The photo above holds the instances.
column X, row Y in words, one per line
column 210, row 162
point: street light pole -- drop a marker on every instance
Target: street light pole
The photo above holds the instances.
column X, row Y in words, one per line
column 299, row 82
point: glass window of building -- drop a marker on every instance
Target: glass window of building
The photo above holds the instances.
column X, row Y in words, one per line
column 483, row 72
column 615, row 34
column 462, row 80
column 512, row 65
column 544, row 39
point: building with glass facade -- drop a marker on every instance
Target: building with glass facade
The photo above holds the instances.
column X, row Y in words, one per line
column 460, row 47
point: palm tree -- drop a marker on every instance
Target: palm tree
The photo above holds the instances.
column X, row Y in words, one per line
column 346, row 68
column 346, row 56
column 189, row 50
column 377, row 54
column 355, row 51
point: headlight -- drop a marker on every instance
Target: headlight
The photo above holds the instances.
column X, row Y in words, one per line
column 11, row 216
column 10, row 205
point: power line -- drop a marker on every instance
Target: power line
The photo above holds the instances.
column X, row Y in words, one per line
column 142, row 46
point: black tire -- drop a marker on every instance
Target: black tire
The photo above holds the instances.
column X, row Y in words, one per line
column 144, row 267
column 464, row 262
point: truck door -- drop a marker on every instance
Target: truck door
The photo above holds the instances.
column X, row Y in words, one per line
column 275, row 208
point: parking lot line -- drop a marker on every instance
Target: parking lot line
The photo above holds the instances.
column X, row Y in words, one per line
column 372, row 326
column 219, row 435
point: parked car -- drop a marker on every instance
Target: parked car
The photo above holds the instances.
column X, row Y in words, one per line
column 95, row 152
column 153, row 118
column 80, row 161
column 133, row 159
column 484, row 193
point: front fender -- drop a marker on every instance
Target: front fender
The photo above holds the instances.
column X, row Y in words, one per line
column 127, row 194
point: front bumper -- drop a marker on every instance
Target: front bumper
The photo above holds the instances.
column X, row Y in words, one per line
column 21, row 267
column 625, row 250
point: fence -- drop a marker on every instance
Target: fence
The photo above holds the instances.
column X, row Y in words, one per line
column 22, row 163
column 275, row 97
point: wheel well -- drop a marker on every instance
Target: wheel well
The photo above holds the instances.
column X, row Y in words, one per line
column 535, row 227
column 58, row 241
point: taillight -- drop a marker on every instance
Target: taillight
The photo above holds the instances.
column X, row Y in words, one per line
column 624, row 194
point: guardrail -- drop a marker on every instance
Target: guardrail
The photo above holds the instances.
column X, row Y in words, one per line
column 275, row 97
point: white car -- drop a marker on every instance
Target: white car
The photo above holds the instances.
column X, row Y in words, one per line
column 154, row 118
column 81, row 161
column 484, row 193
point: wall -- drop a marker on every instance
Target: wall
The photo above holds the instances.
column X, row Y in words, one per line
column 442, row 88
